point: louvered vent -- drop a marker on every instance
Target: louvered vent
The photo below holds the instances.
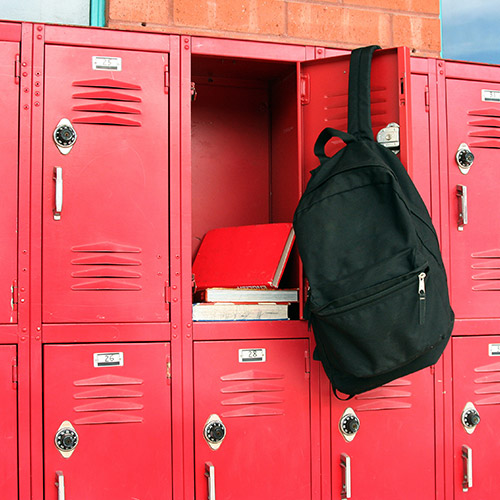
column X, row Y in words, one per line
column 488, row 384
column 252, row 393
column 108, row 399
column 106, row 266
column 109, row 103
column 484, row 128
column 486, row 270
column 395, row 395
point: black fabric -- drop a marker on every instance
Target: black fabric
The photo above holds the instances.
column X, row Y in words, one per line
column 378, row 301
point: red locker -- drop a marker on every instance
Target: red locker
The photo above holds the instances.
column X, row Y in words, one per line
column 252, row 423
column 476, row 394
column 105, row 185
column 392, row 453
column 9, row 131
column 8, row 422
column 473, row 153
column 107, row 421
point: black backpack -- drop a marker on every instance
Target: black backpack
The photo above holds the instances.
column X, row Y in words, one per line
column 378, row 300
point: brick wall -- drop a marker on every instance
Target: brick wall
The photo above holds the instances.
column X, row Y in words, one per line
column 331, row 23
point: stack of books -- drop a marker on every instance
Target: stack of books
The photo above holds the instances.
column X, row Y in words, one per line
column 237, row 271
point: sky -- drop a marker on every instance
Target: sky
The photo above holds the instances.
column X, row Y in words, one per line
column 471, row 30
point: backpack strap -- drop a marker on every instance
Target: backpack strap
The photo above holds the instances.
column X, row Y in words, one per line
column 359, row 112
column 325, row 136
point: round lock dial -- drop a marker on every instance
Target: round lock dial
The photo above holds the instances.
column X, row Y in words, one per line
column 65, row 136
column 465, row 158
column 350, row 424
column 66, row 439
column 215, row 432
column 471, row 418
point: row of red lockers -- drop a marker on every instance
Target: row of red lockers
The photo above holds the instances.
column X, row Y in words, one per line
column 112, row 172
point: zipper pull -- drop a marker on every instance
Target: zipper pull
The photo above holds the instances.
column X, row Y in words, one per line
column 422, row 297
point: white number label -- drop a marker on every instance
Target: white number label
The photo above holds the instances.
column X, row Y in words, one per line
column 490, row 95
column 108, row 359
column 252, row 355
column 107, row 63
column 494, row 349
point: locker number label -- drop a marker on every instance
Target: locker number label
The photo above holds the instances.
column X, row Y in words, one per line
column 490, row 95
column 252, row 355
column 102, row 359
column 107, row 63
column 494, row 349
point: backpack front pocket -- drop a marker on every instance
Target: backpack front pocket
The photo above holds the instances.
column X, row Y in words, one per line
column 376, row 330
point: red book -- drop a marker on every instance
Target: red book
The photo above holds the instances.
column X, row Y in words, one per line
column 243, row 256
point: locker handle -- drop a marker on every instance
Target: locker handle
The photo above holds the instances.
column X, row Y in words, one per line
column 345, row 464
column 58, row 177
column 467, row 461
column 463, row 216
column 60, row 485
column 210, row 475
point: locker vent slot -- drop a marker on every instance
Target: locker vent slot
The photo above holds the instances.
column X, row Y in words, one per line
column 488, row 128
column 488, row 384
column 110, row 402
column 256, row 393
column 485, row 281
column 106, row 108
column 395, row 395
column 109, row 267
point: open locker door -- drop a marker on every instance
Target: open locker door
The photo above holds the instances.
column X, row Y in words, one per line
column 324, row 92
column 473, row 125
column 105, row 185
column 9, row 130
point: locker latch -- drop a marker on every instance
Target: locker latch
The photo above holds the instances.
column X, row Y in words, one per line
column 389, row 137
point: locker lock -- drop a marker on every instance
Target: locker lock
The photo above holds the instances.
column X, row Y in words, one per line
column 389, row 137
column 214, row 432
column 470, row 418
column 464, row 158
column 349, row 424
column 64, row 136
column 66, row 439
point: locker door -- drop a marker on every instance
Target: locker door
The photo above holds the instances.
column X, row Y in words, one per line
column 476, row 381
column 105, row 185
column 392, row 454
column 9, row 130
column 475, row 247
column 257, row 394
column 325, row 93
column 108, row 409
column 8, row 424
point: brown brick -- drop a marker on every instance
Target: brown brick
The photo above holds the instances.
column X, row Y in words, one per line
column 338, row 24
column 420, row 6
column 419, row 33
column 139, row 11
column 249, row 16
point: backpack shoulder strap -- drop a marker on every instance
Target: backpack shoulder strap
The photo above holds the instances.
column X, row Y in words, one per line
column 359, row 113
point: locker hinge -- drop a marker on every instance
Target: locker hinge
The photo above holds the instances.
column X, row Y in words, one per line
column 169, row 370
column 167, row 79
column 305, row 89
column 17, row 69
column 14, row 373
column 308, row 361
column 427, row 100
column 13, row 298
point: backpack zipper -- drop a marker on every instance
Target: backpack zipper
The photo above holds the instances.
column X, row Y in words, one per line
column 421, row 297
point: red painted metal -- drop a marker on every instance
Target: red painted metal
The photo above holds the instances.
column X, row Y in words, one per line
column 265, row 409
column 8, row 422
column 476, row 379
column 106, row 259
column 474, row 250
column 121, row 415
column 10, row 85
